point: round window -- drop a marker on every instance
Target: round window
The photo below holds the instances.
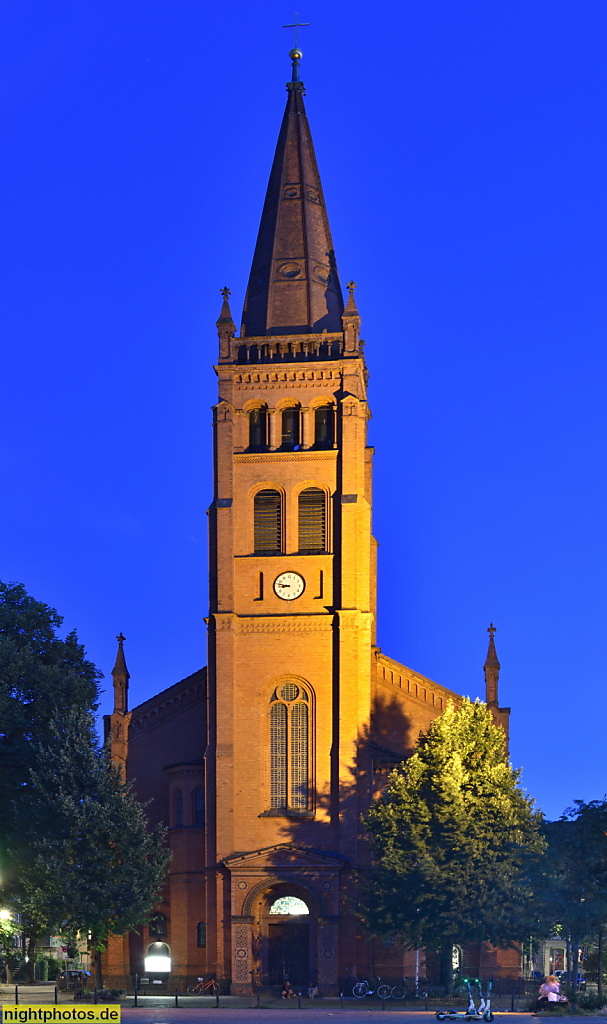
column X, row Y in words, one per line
column 289, row 691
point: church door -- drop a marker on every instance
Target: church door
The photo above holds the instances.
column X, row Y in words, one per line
column 289, row 952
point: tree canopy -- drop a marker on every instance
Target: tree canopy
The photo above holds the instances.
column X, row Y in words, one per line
column 454, row 839
column 77, row 852
column 42, row 676
column 575, row 877
column 93, row 863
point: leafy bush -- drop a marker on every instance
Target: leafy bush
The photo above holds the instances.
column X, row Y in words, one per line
column 590, row 1001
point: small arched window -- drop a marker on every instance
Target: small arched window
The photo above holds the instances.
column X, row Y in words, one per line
column 158, row 926
column 201, row 934
column 290, row 429
column 312, row 521
column 178, row 809
column 267, row 525
column 289, row 747
column 198, row 808
column 258, row 429
column 324, row 430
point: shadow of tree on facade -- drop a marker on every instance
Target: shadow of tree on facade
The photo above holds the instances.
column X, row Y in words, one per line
column 320, row 853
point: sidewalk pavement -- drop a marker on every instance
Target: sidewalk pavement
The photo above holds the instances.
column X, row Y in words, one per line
column 43, row 992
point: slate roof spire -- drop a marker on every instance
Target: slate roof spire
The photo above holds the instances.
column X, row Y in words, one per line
column 293, row 286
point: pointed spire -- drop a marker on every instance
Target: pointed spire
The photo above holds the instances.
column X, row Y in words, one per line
column 492, row 670
column 121, row 677
column 351, row 308
column 293, row 287
column 351, row 322
column 226, row 328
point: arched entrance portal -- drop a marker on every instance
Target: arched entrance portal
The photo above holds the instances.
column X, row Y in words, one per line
column 288, row 917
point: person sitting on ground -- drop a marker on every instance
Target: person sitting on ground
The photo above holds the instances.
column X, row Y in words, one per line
column 312, row 990
column 287, row 991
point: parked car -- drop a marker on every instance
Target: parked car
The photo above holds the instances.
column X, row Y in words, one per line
column 75, row 975
column 563, row 977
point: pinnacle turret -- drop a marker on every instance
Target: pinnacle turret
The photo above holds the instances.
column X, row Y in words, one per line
column 226, row 328
column 492, row 670
column 121, row 678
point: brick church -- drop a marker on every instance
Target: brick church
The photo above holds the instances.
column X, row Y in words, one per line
column 261, row 763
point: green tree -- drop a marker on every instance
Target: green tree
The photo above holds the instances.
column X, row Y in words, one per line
column 454, row 839
column 94, row 864
column 8, row 951
column 575, row 880
column 42, row 677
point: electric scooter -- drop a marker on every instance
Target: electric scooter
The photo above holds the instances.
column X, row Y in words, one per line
column 472, row 1013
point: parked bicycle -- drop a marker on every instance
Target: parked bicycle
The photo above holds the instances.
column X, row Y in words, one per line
column 362, row 989
column 392, row 991
column 204, row 988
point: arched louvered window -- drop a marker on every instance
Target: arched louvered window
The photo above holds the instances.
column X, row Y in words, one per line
column 289, row 748
column 312, row 521
column 324, row 430
column 201, row 934
column 290, row 428
column 198, row 807
column 258, row 429
column 267, row 525
column 178, row 809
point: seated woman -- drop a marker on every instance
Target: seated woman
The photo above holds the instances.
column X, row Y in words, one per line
column 550, row 995
column 287, row 991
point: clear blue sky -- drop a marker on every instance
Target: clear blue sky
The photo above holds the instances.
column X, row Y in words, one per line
column 463, row 152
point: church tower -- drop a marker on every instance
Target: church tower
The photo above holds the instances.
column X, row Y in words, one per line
column 292, row 596
column 262, row 764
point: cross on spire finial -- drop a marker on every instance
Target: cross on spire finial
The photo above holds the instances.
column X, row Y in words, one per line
column 226, row 292
column 351, row 285
column 491, row 630
column 297, row 25
column 120, row 638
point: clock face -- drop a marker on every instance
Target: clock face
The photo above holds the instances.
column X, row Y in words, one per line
column 289, row 585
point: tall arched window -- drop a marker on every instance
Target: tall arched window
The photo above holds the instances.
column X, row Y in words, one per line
column 324, row 431
column 312, row 521
column 267, row 526
column 258, row 429
column 289, row 747
column 201, row 934
column 198, row 807
column 290, row 428
column 178, row 809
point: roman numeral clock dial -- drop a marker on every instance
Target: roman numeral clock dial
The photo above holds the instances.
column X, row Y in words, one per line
column 289, row 585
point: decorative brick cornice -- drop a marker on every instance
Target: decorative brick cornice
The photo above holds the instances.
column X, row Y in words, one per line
column 309, row 456
column 185, row 771
column 300, row 624
column 416, row 686
column 159, row 713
